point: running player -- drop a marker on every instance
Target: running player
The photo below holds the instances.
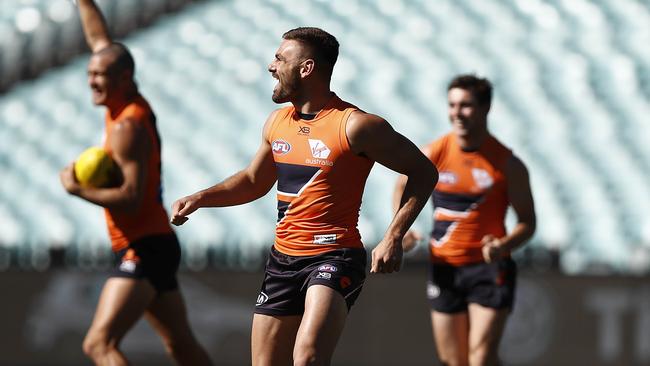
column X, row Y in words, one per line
column 146, row 249
column 472, row 277
column 320, row 150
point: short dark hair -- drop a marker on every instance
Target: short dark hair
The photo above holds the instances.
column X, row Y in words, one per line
column 123, row 58
column 324, row 46
column 481, row 88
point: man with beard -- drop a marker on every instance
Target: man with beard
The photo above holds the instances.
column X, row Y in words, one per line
column 320, row 150
column 472, row 277
column 147, row 252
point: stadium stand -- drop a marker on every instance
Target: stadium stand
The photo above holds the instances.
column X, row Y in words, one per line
column 572, row 82
column 38, row 34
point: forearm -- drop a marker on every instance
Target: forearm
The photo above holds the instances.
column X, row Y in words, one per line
column 412, row 200
column 398, row 192
column 235, row 190
column 111, row 198
column 518, row 236
column 94, row 25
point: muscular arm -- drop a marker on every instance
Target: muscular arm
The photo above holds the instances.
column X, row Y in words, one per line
column 521, row 200
column 411, row 237
column 245, row 186
column 129, row 143
column 373, row 137
column 94, row 25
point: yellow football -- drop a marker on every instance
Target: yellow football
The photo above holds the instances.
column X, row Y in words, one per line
column 94, row 168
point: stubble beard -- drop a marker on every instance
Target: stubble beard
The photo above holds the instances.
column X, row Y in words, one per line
column 286, row 90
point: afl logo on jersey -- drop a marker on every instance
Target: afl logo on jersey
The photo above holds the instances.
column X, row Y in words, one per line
column 446, row 177
column 280, row 147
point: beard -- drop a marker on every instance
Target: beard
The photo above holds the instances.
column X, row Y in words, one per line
column 284, row 91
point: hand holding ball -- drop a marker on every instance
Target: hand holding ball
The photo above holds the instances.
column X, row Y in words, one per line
column 95, row 168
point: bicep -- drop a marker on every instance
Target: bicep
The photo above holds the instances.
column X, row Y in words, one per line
column 519, row 192
column 261, row 170
column 380, row 142
column 129, row 144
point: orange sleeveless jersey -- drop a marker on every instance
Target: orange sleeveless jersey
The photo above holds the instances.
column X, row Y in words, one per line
column 150, row 218
column 470, row 199
column 320, row 181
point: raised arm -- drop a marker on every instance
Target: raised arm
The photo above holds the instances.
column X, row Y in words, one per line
column 129, row 144
column 521, row 200
column 245, row 186
column 94, row 25
column 373, row 137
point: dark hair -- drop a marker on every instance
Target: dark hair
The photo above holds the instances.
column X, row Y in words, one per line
column 123, row 59
column 480, row 88
column 324, row 46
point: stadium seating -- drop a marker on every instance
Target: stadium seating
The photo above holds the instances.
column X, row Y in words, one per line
column 37, row 34
column 572, row 83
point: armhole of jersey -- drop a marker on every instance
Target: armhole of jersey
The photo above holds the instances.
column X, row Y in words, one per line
column 343, row 136
column 437, row 155
column 274, row 124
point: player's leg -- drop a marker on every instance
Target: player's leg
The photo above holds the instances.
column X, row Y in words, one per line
column 449, row 319
column 491, row 297
column 486, row 327
column 272, row 339
column 168, row 316
column 122, row 302
column 450, row 333
column 321, row 326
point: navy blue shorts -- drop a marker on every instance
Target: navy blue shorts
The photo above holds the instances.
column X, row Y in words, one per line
column 451, row 288
column 287, row 279
column 155, row 258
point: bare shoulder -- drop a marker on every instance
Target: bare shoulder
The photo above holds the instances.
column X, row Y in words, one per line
column 128, row 136
column 362, row 120
column 365, row 129
column 266, row 130
column 363, row 125
column 516, row 169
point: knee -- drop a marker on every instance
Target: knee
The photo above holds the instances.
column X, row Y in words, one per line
column 453, row 362
column 97, row 344
column 482, row 357
column 308, row 356
column 453, row 358
column 172, row 346
column 180, row 347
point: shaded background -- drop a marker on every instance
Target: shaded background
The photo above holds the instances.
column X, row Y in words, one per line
column 572, row 92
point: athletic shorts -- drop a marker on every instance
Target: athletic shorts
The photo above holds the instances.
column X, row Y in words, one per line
column 155, row 258
column 287, row 278
column 451, row 288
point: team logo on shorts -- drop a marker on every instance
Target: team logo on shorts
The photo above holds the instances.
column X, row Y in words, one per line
column 433, row 291
column 280, row 147
column 129, row 261
column 328, row 268
column 324, row 275
column 261, row 298
column 345, row 282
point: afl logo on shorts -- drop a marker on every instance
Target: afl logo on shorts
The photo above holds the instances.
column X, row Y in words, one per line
column 261, row 299
column 328, row 268
column 128, row 266
column 280, row 147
